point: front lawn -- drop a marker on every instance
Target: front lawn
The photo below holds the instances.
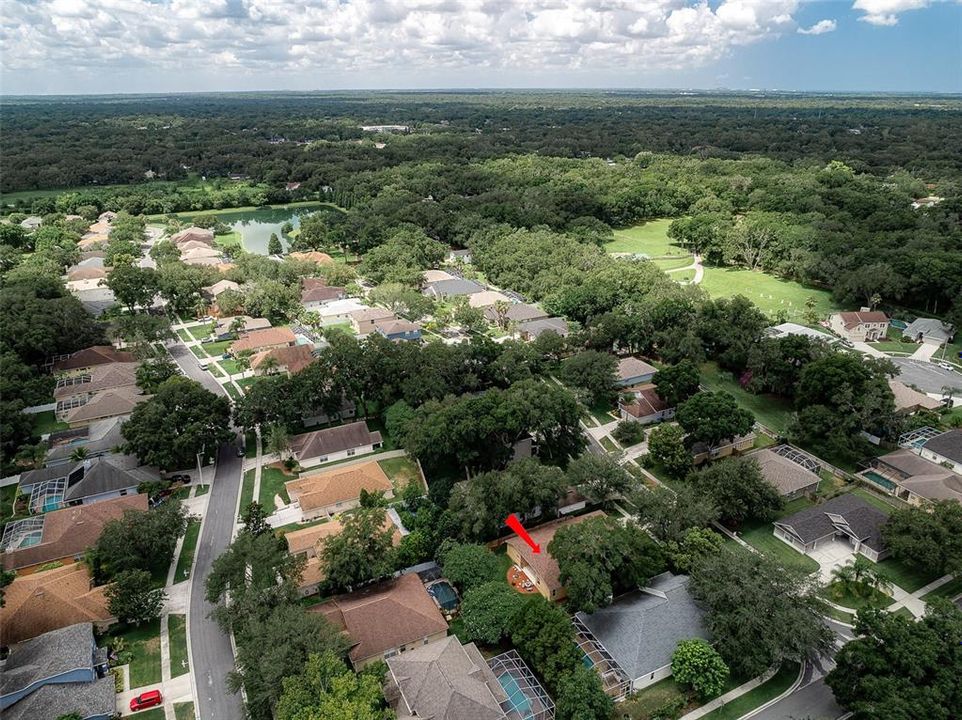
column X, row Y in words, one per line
column 763, row 539
column 644, row 704
column 184, row 335
column 177, row 633
column 907, row 576
column 400, row 471
column 156, row 713
column 773, row 411
column 143, row 645
column 674, row 263
column 649, row 238
column 216, row 349
column 608, row 444
column 247, row 490
column 250, row 444
column 234, row 393
column 768, row 690
column 184, row 711
column 186, row 559
column 773, row 296
column 950, row 590
column 869, row 597
column 46, row 422
column 272, row 483
column 231, row 367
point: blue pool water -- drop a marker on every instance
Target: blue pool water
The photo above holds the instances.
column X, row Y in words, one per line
column 445, row 595
column 878, row 479
column 515, row 695
column 587, row 661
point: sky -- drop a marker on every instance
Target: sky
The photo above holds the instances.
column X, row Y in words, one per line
column 158, row 46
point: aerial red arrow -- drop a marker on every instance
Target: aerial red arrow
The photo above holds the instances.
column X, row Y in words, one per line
column 515, row 524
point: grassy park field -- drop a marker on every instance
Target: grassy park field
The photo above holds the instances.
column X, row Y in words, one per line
column 650, row 238
column 771, row 294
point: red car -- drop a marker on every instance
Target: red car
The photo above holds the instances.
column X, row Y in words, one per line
column 146, row 700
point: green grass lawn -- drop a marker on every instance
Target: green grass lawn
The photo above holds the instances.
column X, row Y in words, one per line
column 177, row 632
column 247, row 490
column 184, row 711
column 951, row 590
column 272, row 483
column 250, row 444
column 771, row 294
column 143, row 643
column 608, row 444
column 156, row 713
column 673, row 263
column 232, row 391
column 216, row 349
column 650, row 238
column 246, row 383
column 908, row 577
column 46, row 422
column 895, row 347
column 772, row 411
column 643, row 704
column 184, row 335
column 882, row 502
column 231, row 367
column 215, row 371
column 290, row 527
column 772, row 688
column 762, row 539
column 868, row 598
column 186, row 559
column 840, row 615
column 198, row 352
column 228, row 239
column 682, row 276
column 401, row 471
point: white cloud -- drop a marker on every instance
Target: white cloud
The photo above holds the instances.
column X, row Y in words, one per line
column 886, row 12
column 819, row 28
column 178, row 37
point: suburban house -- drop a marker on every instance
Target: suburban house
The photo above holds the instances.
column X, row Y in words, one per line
column 531, row 329
column 49, row 600
column 97, row 438
column 846, row 517
column 203, row 235
column 448, row 680
column 75, row 390
column 633, row 371
column 83, row 361
column 92, row 240
column 208, row 260
column 334, row 491
column 700, row 452
column 86, row 273
column 791, row 472
column 646, row 407
column 385, row 620
column 119, row 402
column 339, row 312
column 95, row 300
column 397, row 330
column 945, row 449
column 62, row 535
column 433, row 276
column 787, row 329
column 913, row 478
column 192, row 245
column 318, row 416
column 637, row 634
column 200, row 253
column 266, row 339
column 56, row 674
column 319, row 295
column 75, row 286
column 222, row 328
column 336, row 443
column 487, row 297
column 928, row 330
column 541, row 568
column 460, row 255
column 909, row 400
column 862, row 326
column 212, row 291
column 456, row 287
column 83, row 482
column 516, row 313
column 309, row 542
column 285, row 360
column 312, row 256
column 364, row 321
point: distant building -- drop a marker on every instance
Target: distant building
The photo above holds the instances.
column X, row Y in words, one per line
column 83, row 361
column 908, row 401
column 646, row 407
column 633, row 371
column 203, row 235
column 862, row 326
column 443, row 289
column 285, row 360
column 515, row 313
column 364, row 321
column 223, row 331
column 386, row 128
column 789, row 328
column 266, row 339
column 533, row 329
column 398, row 330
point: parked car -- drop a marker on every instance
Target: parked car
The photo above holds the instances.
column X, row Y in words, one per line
column 146, row 700
column 178, row 478
column 946, row 366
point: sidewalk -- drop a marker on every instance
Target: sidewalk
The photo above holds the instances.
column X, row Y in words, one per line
column 729, row 696
column 914, row 601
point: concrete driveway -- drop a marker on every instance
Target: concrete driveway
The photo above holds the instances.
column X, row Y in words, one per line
column 829, row 555
column 926, row 351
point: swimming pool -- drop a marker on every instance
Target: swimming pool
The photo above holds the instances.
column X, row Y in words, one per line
column 587, row 661
column 444, row 594
column 516, row 696
column 879, row 480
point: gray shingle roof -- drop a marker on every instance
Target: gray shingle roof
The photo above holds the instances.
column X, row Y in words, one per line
column 785, row 475
column 865, row 520
column 92, row 700
column 548, row 324
column 331, row 440
column 948, row 445
column 47, row 656
column 457, row 286
column 642, row 629
column 517, row 312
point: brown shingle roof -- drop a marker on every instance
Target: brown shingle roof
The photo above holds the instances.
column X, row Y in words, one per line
column 193, row 233
column 93, row 356
column 542, row 563
column 107, row 404
column 263, row 338
column 102, row 377
column 71, row 531
column 331, row 440
column 372, row 314
column 313, row 256
column 854, row 319
column 86, row 273
column 647, row 402
column 632, row 367
column 49, row 600
column 295, row 358
column 785, row 475
column 300, row 541
column 908, row 399
column 385, row 616
column 339, row 485
column 320, row 293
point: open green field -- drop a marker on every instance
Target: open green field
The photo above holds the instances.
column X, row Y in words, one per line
column 771, row 294
column 177, row 632
column 401, row 471
column 650, row 238
column 189, row 215
column 673, row 263
column 770, row 410
column 216, row 349
column 272, row 483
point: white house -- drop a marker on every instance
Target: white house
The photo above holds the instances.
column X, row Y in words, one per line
column 945, row 449
column 862, row 326
column 338, row 312
column 336, row 443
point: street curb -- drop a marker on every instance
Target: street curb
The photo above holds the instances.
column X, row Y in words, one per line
column 794, row 686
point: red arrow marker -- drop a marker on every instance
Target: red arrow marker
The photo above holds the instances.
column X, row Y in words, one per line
column 515, row 524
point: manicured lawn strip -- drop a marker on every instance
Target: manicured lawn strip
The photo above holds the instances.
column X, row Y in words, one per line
column 673, row 263
column 845, row 598
column 883, row 503
column 839, row 615
column 177, row 632
column 250, row 444
column 648, row 700
column 156, row 713
column 284, row 529
column 895, row 347
column 906, row 613
column 184, row 711
column 682, row 276
column 216, row 349
column 772, row 688
column 770, row 410
column 762, row 539
column 231, row 367
column 201, row 490
column 771, row 294
column 215, row 371
column 184, row 335
column 232, row 391
column 46, row 422
column 650, row 238
column 272, row 483
column 907, row 577
column 607, row 444
column 144, row 645
column 401, row 471
column 950, row 590
column 186, row 559
column 198, row 352
column 247, row 490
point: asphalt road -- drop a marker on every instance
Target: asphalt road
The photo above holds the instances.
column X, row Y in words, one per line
column 211, row 655
column 926, row 376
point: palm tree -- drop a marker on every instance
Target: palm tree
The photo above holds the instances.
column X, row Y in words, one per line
column 81, row 453
column 278, row 440
column 270, row 365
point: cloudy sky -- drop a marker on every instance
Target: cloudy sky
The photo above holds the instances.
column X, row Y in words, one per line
column 109, row 46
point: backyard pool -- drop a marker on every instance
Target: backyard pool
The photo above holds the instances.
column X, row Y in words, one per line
column 516, row 696
column 874, row 477
column 444, row 595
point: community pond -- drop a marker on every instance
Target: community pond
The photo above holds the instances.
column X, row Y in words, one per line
column 256, row 226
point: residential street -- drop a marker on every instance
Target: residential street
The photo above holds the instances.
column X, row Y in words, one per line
column 188, row 363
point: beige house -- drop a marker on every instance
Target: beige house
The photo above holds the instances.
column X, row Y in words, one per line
column 328, row 493
column 486, row 298
column 364, row 321
column 203, row 235
column 84, row 360
column 862, row 326
column 909, row 400
column 263, row 340
column 117, row 402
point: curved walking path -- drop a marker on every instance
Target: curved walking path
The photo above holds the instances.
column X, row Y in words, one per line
column 696, row 265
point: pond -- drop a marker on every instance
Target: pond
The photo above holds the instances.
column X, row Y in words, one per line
column 255, row 226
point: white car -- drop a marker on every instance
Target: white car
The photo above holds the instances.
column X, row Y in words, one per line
column 946, row 366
